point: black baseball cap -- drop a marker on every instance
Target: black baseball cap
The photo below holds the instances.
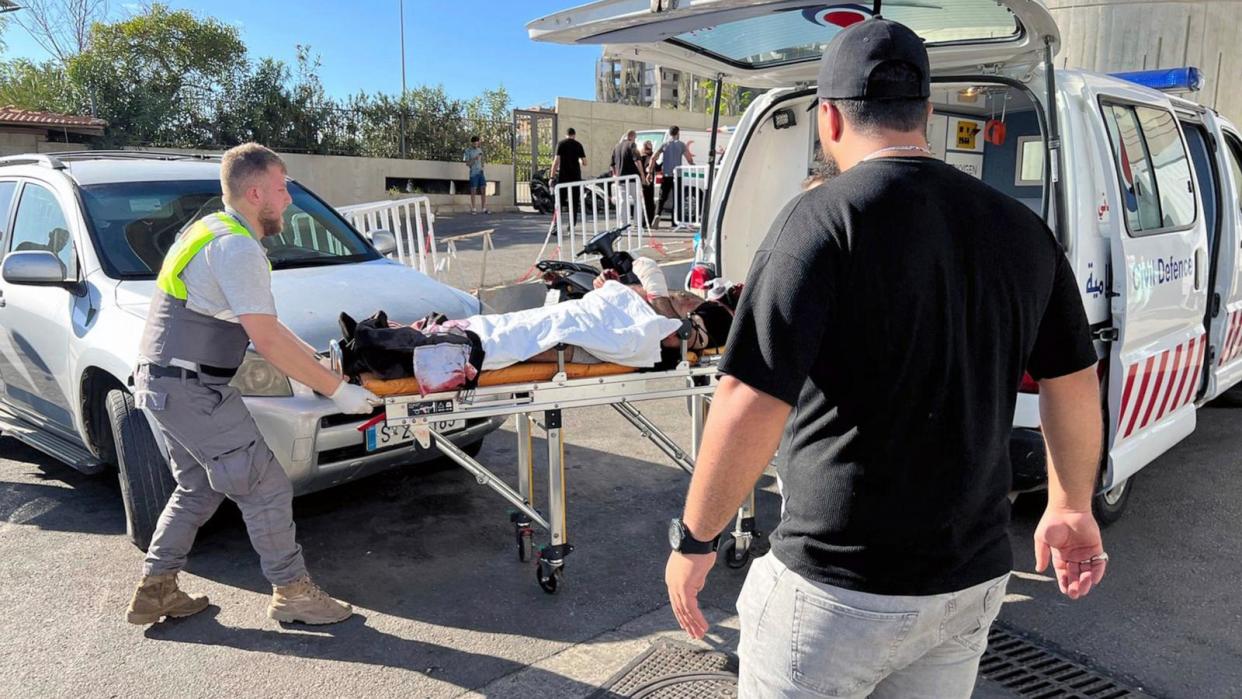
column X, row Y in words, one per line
column 848, row 63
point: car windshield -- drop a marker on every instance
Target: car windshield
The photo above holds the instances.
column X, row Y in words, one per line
column 135, row 223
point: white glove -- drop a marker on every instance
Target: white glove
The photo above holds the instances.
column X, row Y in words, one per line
column 354, row 400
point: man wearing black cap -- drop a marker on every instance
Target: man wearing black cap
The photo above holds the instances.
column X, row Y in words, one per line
column 885, row 325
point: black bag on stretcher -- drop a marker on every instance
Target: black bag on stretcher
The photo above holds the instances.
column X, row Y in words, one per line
column 441, row 360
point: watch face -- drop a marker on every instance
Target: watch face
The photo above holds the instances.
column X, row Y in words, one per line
column 675, row 534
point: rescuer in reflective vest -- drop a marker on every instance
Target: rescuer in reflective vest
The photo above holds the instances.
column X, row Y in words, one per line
column 213, row 298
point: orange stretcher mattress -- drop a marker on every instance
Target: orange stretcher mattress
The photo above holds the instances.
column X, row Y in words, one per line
column 526, row 372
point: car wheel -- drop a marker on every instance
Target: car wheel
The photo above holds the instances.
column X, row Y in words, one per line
column 146, row 481
column 1109, row 505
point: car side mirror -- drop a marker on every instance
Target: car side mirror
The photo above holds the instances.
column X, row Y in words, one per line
column 34, row 268
column 384, row 241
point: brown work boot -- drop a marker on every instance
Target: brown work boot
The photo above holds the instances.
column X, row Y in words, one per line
column 158, row 596
column 302, row 600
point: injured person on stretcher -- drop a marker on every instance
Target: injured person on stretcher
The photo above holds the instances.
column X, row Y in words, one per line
column 629, row 325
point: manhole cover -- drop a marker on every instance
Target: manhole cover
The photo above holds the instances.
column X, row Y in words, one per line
column 672, row 670
column 1030, row 670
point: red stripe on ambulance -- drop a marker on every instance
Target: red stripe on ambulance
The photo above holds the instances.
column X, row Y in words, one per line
column 1164, row 386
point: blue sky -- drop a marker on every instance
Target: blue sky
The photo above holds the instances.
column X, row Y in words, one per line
column 465, row 45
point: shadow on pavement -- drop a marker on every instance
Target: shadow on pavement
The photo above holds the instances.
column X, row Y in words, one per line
column 434, row 546
column 351, row 641
column 70, row 501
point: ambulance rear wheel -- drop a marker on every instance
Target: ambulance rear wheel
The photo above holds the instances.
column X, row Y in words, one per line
column 1109, row 505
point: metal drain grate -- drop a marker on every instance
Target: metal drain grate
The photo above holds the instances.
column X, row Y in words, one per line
column 1022, row 667
column 672, row 670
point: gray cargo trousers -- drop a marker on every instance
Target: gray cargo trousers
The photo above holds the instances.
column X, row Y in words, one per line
column 215, row 451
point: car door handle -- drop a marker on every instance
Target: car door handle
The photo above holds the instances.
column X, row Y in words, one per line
column 3, row 303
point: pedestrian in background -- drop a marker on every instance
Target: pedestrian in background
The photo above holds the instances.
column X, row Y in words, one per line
column 888, row 318
column 648, row 163
column 567, row 168
column 671, row 154
column 473, row 157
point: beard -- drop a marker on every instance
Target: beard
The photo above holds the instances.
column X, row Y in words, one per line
column 271, row 222
column 827, row 167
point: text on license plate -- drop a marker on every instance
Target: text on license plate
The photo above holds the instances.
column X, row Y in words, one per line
column 382, row 436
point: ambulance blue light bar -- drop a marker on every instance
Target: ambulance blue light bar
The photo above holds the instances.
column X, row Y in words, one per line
column 1188, row 79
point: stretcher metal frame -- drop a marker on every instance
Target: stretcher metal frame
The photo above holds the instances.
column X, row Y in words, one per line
column 530, row 401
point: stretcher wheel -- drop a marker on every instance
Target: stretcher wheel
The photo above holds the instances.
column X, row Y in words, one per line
column 525, row 544
column 549, row 577
column 733, row 556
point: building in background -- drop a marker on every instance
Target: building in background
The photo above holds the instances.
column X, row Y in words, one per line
column 1122, row 35
column 639, row 84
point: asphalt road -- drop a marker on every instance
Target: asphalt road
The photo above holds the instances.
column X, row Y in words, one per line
column 445, row 607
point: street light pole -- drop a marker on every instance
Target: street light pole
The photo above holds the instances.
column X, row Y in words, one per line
column 401, row 102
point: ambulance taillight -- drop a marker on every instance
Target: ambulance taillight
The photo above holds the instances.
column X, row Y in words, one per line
column 1028, row 385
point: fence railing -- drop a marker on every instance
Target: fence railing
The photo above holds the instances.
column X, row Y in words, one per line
column 689, row 195
column 590, row 207
column 410, row 220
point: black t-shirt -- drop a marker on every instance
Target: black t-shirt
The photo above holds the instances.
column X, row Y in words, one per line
column 625, row 158
column 895, row 308
column 570, row 151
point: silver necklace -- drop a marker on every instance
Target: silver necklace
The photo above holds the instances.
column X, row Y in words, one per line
column 904, row 149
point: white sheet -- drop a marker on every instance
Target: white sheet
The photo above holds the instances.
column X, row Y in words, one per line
column 613, row 323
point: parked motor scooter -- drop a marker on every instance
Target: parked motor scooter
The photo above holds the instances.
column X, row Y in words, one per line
column 573, row 280
column 541, row 196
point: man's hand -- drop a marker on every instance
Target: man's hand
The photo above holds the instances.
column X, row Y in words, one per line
column 354, row 400
column 685, row 576
column 1071, row 539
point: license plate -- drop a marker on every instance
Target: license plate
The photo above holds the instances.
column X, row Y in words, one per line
column 383, row 436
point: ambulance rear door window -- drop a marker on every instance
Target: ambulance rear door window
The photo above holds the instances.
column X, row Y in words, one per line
column 1138, row 186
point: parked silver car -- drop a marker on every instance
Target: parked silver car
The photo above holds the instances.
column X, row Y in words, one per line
column 71, row 317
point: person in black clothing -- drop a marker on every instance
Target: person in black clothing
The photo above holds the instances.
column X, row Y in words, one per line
column 888, row 317
column 647, row 161
column 567, row 166
column 570, row 159
column 626, row 159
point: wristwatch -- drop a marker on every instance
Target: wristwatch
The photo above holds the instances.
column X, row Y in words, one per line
column 680, row 539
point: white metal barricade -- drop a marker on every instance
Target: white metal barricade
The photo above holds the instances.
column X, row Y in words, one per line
column 410, row 220
column 590, row 207
column 304, row 232
column 689, row 192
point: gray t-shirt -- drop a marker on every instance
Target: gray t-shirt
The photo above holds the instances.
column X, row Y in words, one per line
column 474, row 158
column 228, row 278
column 673, row 151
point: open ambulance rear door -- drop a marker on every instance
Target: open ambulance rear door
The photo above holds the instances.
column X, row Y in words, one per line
column 1224, row 317
column 1159, row 278
column 778, row 43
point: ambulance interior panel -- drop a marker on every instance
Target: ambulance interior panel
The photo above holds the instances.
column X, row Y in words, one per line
column 990, row 131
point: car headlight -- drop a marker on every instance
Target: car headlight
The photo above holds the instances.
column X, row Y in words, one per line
column 256, row 377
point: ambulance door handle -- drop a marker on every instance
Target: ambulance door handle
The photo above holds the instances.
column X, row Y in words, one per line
column 1200, row 255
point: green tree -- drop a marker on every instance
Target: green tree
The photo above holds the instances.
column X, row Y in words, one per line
column 733, row 99
column 40, row 87
column 156, row 76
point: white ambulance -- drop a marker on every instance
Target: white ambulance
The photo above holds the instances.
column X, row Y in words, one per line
column 1141, row 188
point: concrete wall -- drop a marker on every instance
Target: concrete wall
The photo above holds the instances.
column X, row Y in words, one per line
column 1115, row 35
column 16, row 141
column 600, row 125
column 343, row 180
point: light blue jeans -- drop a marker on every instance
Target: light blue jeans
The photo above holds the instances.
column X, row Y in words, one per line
column 807, row 639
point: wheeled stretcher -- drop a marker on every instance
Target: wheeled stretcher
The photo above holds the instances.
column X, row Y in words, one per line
column 541, row 402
